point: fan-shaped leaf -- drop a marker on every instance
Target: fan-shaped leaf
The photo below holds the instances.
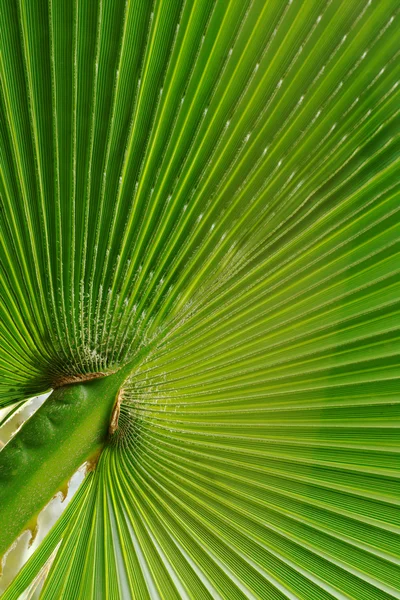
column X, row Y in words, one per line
column 209, row 191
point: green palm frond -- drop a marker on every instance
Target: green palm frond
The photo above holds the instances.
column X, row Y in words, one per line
column 200, row 205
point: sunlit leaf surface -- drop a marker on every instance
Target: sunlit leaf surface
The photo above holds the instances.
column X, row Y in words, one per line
column 210, row 188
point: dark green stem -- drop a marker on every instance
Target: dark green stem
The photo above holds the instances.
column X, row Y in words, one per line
column 68, row 429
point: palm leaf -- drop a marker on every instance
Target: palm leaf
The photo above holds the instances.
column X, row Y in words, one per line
column 200, row 204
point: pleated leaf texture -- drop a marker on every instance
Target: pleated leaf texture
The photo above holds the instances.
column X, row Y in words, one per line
column 209, row 189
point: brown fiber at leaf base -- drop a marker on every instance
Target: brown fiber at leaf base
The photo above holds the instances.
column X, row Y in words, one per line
column 91, row 463
column 115, row 413
column 70, row 379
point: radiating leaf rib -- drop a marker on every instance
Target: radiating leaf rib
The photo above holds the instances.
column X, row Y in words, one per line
column 39, row 559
